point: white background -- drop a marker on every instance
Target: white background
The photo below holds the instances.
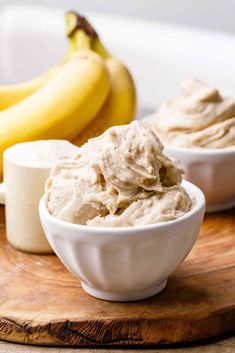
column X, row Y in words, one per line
column 213, row 14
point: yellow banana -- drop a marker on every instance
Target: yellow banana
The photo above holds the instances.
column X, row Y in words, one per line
column 120, row 105
column 62, row 107
column 11, row 94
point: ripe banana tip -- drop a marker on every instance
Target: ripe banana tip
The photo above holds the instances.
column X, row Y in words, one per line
column 78, row 22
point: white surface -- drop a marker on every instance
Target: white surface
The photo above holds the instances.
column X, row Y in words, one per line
column 214, row 14
column 160, row 56
column 41, row 153
column 126, row 263
column 212, row 170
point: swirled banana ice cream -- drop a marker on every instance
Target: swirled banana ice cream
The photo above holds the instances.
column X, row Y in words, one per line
column 199, row 117
column 121, row 178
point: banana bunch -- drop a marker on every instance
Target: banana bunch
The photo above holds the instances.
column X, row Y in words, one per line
column 77, row 99
column 120, row 106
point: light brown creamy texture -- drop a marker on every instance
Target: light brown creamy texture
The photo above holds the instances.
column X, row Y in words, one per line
column 200, row 117
column 121, row 178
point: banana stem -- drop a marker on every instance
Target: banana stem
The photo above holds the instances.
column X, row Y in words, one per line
column 74, row 22
column 80, row 41
column 98, row 47
column 81, row 33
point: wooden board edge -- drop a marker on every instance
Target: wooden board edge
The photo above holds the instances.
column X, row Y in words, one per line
column 100, row 333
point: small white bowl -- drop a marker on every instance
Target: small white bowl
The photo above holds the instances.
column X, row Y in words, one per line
column 212, row 170
column 125, row 263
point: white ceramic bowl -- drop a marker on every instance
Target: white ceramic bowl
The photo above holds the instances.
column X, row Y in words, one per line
column 124, row 263
column 212, row 170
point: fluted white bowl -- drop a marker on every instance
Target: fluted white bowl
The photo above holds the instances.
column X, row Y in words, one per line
column 212, row 170
column 124, row 263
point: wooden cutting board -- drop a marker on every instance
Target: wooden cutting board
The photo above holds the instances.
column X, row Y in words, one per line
column 42, row 303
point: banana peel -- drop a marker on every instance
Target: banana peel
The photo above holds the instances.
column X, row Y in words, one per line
column 120, row 105
column 62, row 107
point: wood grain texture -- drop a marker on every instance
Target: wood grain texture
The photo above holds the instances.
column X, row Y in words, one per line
column 42, row 303
column 222, row 346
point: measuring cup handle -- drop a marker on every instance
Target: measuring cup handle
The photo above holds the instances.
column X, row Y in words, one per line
column 2, row 193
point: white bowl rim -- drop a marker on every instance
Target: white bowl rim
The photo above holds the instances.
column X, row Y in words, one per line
column 192, row 189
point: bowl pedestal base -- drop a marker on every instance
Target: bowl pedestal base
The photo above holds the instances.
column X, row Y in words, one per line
column 126, row 296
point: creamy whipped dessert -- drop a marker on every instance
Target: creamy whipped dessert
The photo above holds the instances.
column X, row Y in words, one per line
column 121, row 178
column 199, row 117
